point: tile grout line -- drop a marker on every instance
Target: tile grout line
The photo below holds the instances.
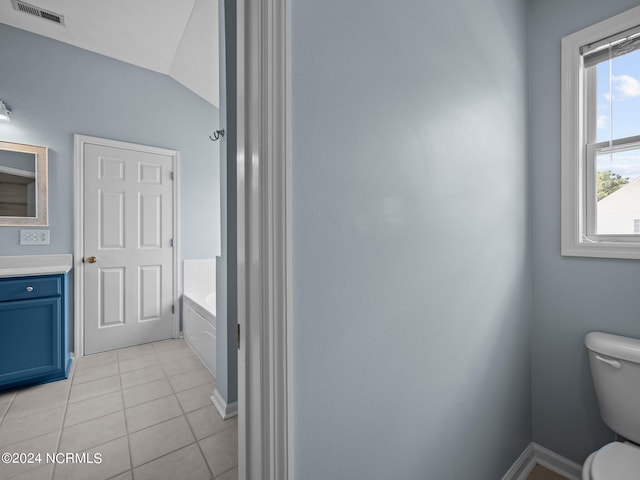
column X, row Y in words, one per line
column 226, row 471
column 15, row 394
column 215, row 433
column 147, row 401
column 84, row 369
column 102, row 416
column 160, row 360
column 197, row 442
column 197, row 386
column 6, row 410
column 64, row 415
column 126, row 424
column 38, row 411
column 166, row 377
column 96, row 395
column 143, row 383
column 165, row 454
column 134, row 406
column 117, row 361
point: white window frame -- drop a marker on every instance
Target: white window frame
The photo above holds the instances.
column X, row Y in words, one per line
column 578, row 236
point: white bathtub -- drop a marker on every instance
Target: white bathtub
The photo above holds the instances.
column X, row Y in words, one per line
column 199, row 312
column 202, row 302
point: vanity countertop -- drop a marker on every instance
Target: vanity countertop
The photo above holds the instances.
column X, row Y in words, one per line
column 23, row 265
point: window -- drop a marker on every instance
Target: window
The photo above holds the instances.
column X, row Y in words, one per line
column 601, row 139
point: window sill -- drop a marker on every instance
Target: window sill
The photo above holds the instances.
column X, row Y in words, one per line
column 602, row 249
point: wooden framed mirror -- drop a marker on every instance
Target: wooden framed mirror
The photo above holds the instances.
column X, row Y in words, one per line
column 23, row 184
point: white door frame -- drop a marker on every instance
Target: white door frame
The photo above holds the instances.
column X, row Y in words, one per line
column 265, row 364
column 78, row 223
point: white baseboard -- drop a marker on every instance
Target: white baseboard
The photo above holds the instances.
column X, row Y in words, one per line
column 557, row 463
column 537, row 454
column 226, row 410
column 522, row 467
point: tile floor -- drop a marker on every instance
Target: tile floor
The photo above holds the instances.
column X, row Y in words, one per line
column 145, row 410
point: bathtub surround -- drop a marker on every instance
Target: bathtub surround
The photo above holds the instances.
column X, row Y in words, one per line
column 199, row 275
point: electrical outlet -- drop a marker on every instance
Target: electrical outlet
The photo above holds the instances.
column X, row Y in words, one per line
column 35, row 237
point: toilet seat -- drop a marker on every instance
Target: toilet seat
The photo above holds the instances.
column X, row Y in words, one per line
column 616, row 460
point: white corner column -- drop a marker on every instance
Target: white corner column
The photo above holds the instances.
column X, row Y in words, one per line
column 264, row 240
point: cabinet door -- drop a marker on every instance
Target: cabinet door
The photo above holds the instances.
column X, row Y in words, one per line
column 30, row 342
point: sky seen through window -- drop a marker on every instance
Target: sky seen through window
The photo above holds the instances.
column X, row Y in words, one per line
column 618, row 110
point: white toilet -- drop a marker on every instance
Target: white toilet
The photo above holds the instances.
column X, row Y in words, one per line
column 615, row 367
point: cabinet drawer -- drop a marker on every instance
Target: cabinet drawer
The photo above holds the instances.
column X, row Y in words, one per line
column 30, row 287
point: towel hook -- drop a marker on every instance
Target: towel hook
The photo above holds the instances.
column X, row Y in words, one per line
column 217, row 135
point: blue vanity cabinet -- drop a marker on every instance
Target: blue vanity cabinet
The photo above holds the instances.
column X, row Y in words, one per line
column 34, row 330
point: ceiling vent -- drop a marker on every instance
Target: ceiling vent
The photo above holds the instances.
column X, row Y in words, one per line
column 21, row 6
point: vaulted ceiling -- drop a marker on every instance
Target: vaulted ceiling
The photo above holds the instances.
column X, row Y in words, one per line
column 178, row 38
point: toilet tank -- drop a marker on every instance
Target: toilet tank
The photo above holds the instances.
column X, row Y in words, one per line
column 615, row 367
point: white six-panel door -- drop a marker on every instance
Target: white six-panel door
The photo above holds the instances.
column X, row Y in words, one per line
column 128, row 247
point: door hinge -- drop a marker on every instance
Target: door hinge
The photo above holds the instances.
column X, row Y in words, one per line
column 173, row 309
column 171, row 242
column 171, row 175
column 238, row 338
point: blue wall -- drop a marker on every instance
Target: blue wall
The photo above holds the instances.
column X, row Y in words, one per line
column 572, row 296
column 56, row 90
column 226, row 283
column 410, row 234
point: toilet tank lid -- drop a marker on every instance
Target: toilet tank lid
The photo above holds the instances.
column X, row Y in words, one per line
column 623, row 348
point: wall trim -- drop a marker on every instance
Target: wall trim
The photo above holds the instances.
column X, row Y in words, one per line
column 557, row 463
column 226, row 410
column 264, row 269
column 537, row 454
column 522, row 467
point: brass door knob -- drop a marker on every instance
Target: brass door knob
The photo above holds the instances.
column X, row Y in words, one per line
column 92, row 259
